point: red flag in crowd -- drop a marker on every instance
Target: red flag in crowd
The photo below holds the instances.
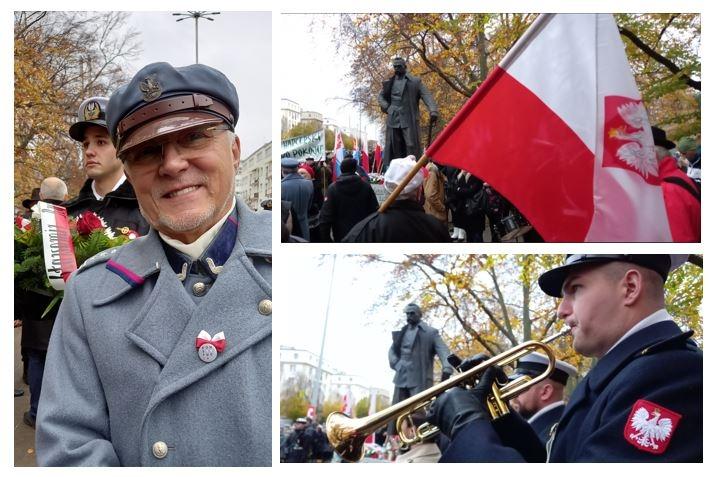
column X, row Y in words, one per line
column 346, row 405
column 364, row 156
column 377, row 159
column 559, row 129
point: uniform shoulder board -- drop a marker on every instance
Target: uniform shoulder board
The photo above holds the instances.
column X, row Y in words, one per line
column 101, row 257
column 676, row 342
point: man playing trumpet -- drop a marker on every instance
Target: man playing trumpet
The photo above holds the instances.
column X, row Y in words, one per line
column 642, row 402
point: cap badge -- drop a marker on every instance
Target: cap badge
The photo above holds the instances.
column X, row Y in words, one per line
column 92, row 111
column 150, row 88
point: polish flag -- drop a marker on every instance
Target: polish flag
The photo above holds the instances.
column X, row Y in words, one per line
column 364, row 156
column 346, row 405
column 559, row 129
column 338, row 156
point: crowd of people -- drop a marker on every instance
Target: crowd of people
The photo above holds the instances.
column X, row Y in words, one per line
column 306, row 441
column 445, row 204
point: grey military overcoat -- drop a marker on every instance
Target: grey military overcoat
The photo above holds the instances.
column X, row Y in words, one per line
column 123, row 373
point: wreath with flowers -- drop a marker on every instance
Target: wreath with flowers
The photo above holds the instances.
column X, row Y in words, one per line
column 90, row 236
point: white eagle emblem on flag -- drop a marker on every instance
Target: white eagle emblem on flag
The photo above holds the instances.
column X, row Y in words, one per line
column 650, row 428
column 639, row 151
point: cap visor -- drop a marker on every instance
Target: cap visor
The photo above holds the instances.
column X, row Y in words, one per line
column 167, row 125
column 551, row 281
column 76, row 130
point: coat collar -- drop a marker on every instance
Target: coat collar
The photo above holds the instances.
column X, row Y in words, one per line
column 133, row 263
column 617, row 358
column 613, row 361
column 213, row 257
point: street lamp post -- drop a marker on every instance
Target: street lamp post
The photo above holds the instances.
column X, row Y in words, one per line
column 196, row 16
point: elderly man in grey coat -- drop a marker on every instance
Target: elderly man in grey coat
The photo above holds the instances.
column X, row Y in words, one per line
column 411, row 356
column 161, row 352
column 399, row 98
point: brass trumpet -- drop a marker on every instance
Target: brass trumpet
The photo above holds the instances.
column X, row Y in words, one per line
column 347, row 434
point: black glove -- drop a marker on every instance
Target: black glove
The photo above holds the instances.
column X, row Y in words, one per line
column 473, row 361
column 445, row 375
column 434, row 118
column 453, row 410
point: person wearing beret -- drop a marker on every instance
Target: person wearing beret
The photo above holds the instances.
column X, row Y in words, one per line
column 641, row 402
column 405, row 220
column 542, row 404
column 162, row 349
column 106, row 192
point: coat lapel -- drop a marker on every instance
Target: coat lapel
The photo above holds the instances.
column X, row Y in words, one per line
column 229, row 306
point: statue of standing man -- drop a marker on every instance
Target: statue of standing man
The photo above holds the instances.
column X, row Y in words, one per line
column 411, row 356
column 399, row 99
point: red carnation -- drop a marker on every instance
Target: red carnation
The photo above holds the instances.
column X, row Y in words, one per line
column 88, row 222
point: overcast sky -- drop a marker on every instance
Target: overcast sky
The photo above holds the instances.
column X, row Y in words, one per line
column 313, row 73
column 358, row 339
column 237, row 43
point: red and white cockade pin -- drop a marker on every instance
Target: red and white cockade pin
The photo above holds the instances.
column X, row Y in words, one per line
column 650, row 426
column 209, row 347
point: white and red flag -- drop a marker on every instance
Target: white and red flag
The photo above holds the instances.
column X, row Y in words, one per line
column 364, row 156
column 559, row 129
column 346, row 404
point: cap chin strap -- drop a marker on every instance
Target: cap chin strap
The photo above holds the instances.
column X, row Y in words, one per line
column 166, row 106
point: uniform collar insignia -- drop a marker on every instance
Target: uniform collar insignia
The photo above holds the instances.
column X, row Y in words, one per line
column 212, row 261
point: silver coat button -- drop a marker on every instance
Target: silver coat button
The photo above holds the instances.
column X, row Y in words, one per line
column 159, row 449
column 199, row 289
column 265, row 307
column 207, row 353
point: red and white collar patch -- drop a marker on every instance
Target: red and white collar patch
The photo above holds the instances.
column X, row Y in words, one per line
column 650, row 426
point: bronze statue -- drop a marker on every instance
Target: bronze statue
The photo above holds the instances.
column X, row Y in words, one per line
column 399, row 99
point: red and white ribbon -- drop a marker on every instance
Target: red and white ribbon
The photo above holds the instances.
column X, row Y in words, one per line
column 57, row 243
column 218, row 340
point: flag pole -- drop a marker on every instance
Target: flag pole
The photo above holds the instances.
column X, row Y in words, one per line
column 392, row 197
column 540, row 22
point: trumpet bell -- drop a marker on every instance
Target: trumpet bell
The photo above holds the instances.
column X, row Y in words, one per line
column 343, row 435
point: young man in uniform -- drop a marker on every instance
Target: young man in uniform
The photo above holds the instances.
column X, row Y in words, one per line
column 641, row 402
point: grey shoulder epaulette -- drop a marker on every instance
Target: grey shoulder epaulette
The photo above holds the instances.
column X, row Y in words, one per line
column 101, row 257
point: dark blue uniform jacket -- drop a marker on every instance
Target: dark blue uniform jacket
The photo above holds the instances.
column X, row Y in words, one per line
column 658, row 364
column 544, row 422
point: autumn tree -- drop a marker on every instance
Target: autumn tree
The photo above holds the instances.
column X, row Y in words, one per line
column 294, row 396
column 491, row 303
column 453, row 52
column 328, row 406
column 61, row 58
